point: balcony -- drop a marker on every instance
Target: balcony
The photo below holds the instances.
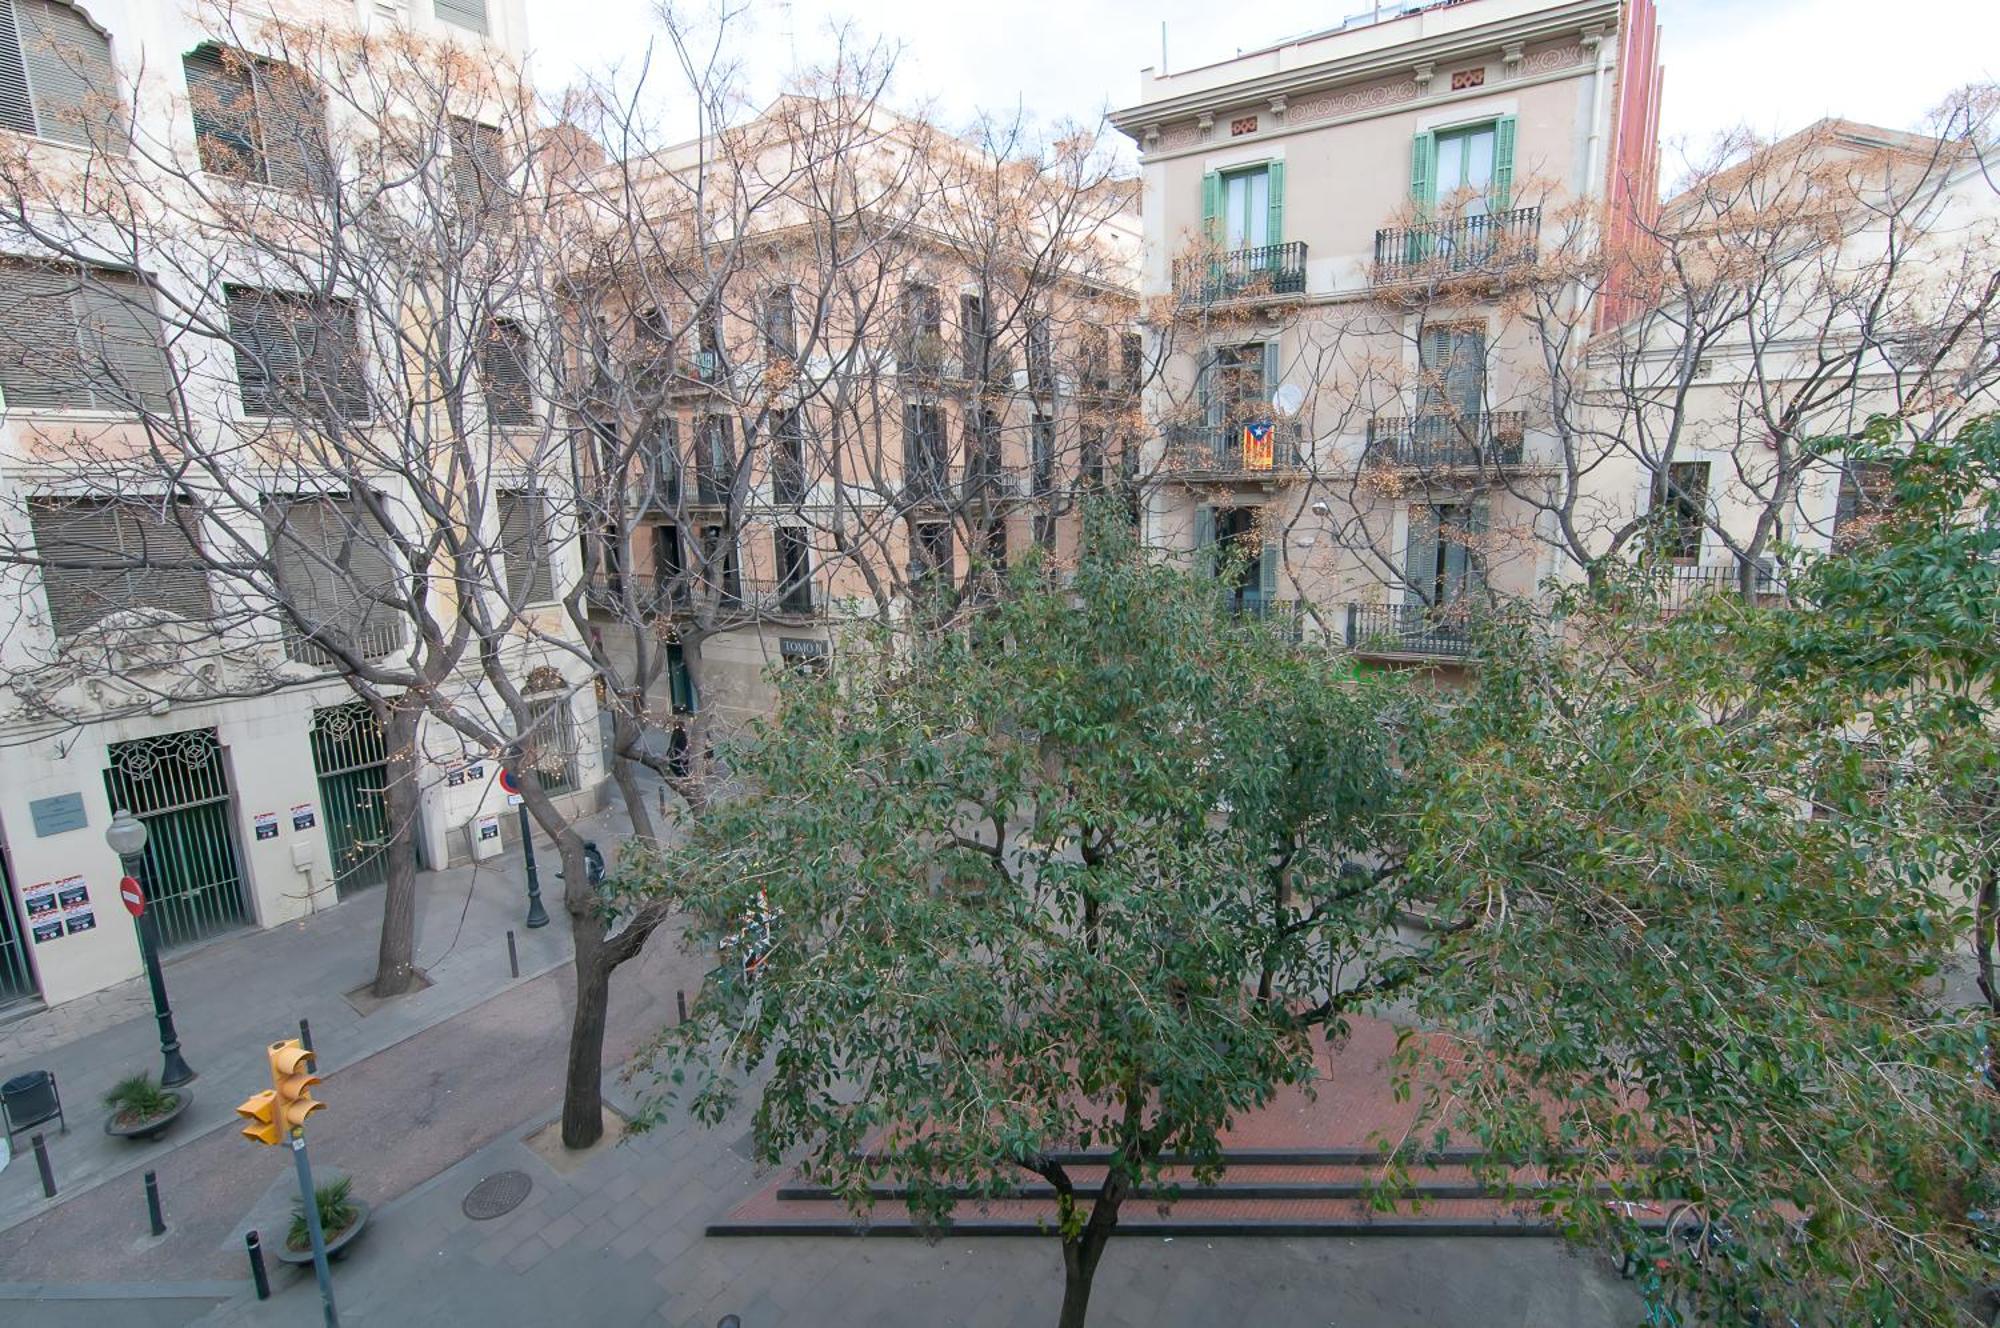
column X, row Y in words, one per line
column 700, row 372
column 375, row 640
column 1231, row 452
column 739, row 598
column 1686, row 583
column 1267, row 272
column 1446, row 440
column 1455, row 249
column 1285, row 615
column 1411, row 631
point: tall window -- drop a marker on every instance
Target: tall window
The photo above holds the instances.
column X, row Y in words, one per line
column 1041, row 355
column 334, row 567
column 930, row 552
column 923, row 327
column 1866, row 490
column 715, row 468
column 662, row 465
column 718, row 562
column 1452, row 361
column 1246, row 209
column 1131, row 360
column 467, row 14
column 1043, row 441
column 975, row 337
column 781, row 333
column 116, row 555
column 524, row 544
column 56, row 77
column 1236, row 386
column 296, row 355
column 982, row 444
column 1680, row 506
column 505, row 356
column 478, row 166
column 924, row 459
column 79, row 339
column 793, row 554
column 788, row 457
column 1443, row 565
column 1469, row 170
column 257, row 119
column 668, row 564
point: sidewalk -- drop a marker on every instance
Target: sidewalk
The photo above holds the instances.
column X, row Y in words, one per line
column 235, row 995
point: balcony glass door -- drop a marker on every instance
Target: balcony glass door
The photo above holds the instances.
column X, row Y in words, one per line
column 1465, row 159
column 1246, row 209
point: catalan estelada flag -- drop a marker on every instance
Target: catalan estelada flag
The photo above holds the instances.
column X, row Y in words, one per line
column 1257, row 445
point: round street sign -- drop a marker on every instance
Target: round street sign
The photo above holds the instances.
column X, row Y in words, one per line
column 507, row 784
column 133, row 897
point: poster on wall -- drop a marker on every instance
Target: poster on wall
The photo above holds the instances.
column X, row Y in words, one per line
column 73, row 897
column 40, row 901
column 302, row 816
column 489, row 828
column 267, row 825
column 475, row 771
column 49, row 929
column 454, row 778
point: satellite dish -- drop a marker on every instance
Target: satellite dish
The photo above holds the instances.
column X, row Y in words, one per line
column 1287, row 399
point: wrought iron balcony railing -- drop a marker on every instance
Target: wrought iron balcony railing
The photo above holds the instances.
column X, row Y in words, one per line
column 731, row 596
column 1447, row 439
column 1416, row 630
column 1247, row 451
column 1243, row 274
column 375, row 640
column 1458, row 247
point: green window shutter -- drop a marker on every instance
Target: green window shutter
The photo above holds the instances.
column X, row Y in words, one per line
column 1275, row 174
column 1267, row 565
column 1270, row 368
column 1503, row 163
column 1211, row 207
column 1423, row 171
column 1206, row 389
column 1420, row 566
column 1204, row 528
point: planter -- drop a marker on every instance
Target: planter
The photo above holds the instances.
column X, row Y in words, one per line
column 336, row 1244
column 149, row 1129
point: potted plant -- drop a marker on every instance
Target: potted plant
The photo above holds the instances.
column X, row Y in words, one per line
column 141, row 1108
column 341, row 1217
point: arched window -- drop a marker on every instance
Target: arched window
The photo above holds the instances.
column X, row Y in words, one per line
column 56, row 76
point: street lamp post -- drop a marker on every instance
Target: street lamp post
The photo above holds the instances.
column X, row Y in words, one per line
column 127, row 837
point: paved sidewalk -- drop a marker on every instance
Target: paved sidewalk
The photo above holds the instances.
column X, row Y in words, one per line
column 233, row 996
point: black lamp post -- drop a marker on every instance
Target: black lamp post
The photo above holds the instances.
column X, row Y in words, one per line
column 127, row 837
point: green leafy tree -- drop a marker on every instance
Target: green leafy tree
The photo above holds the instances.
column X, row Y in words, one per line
column 1072, row 878
column 1695, row 960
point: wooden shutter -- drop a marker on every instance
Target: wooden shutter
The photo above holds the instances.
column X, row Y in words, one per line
column 70, row 76
column 1270, row 367
column 267, row 360
column 119, row 555
column 1503, row 163
column 478, row 165
column 17, row 108
column 291, row 127
column 119, row 332
column 40, row 358
column 1267, row 560
column 524, row 544
column 1455, row 553
column 1208, row 390
column 224, row 104
column 1204, row 528
column 1420, row 565
column 1211, row 207
column 467, row 14
column 296, row 356
column 1275, row 212
column 335, row 565
column 504, row 372
column 1423, row 172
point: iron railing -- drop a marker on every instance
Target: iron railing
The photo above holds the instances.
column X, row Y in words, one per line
column 1688, row 582
column 177, row 784
column 1447, row 439
column 376, row 640
column 1243, row 274
column 1231, row 450
column 1456, row 247
column 1286, row 615
column 732, row 596
column 1420, row 630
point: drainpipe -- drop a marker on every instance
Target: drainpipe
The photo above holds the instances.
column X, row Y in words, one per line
column 1593, row 38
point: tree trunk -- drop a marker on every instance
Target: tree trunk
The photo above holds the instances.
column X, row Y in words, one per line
column 583, row 1084
column 1081, row 1255
column 395, row 956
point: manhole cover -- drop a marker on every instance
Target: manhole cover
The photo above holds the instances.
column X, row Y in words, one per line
column 498, row 1194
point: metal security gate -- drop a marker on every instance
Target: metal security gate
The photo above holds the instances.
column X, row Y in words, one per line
column 17, row 976
column 176, row 784
column 351, row 757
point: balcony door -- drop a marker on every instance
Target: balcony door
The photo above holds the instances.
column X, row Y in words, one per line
column 1246, row 209
column 1452, row 386
column 1444, row 567
column 1465, row 162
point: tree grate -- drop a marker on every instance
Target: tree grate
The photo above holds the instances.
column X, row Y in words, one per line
column 497, row 1195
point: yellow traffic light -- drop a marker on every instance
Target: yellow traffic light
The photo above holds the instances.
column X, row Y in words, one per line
column 262, row 1110
column 292, row 1079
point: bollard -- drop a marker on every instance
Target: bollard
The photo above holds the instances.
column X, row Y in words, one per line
column 663, row 799
column 513, row 955
column 729, row 1321
column 257, row 1273
column 153, row 1215
column 305, row 1035
column 681, row 1007
column 42, row 1165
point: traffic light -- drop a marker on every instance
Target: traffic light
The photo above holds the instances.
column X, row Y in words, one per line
column 262, row 1110
column 292, row 1079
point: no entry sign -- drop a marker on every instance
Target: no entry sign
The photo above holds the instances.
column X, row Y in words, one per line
column 134, row 898
column 510, row 784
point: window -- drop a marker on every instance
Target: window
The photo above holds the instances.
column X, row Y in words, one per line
column 924, row 461
column 996, row 541
column 1237, row 385
column 930, row 552
column 79, row 339
column 296, row 355
column 1041, row 355
column 56, row 77
column 1452, row 367
column 718, row 562
column 1444, row 565
column 467, row 14
column 256, row 119
column 478, row 166
column 781, row 334
column 551, row 743
column 1246, row 209
column 922, row 327
column 668, row 565
column 1680, row 506
column 788, row 457
column 1096, row 444
column 105, row 556
column 663, row 465
column 1867, row 489
column 1469, row 170
column 505, row 356
column 1094, row 357
column 524, row 544
column 335, row 567
column 793, row 554
column 975, row 337
column 1043, row 442
column 715, row 468
column 1131, row 360
column 982, row 445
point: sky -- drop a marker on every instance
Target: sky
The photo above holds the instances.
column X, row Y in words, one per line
column 1775, row 66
